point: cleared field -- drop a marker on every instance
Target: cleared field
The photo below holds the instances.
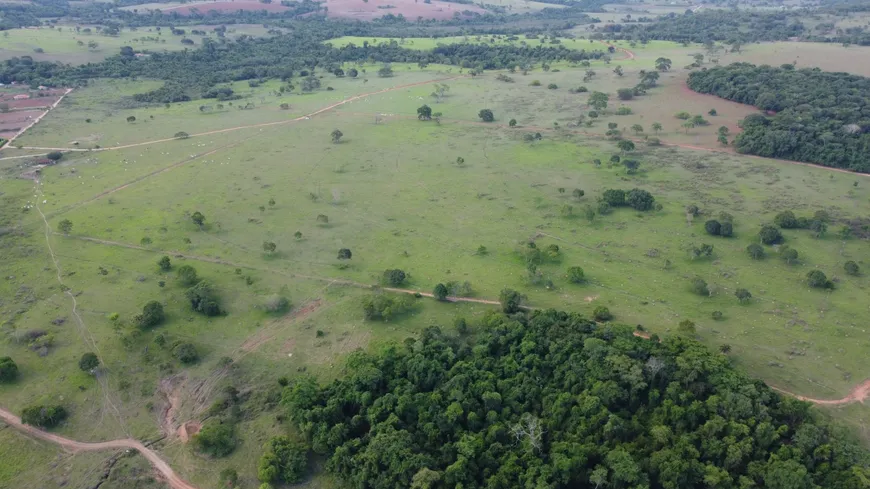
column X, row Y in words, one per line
column 395, row 205
column 827, row 56
column 427, row 43
column 411, row 9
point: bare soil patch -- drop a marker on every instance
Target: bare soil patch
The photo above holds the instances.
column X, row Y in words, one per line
column 204, row 7
column 411, row 9
column 267, row 333
column 13, row 121
column 187, row 430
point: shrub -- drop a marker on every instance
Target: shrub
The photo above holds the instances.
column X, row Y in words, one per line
column 229, row 478
column 283, row 461
column 43, row 416
column 713, row 227
column 786, row 220
column 623, row 111
column 510, row 300
column 216, row 438
column 625, row 94
column 394, row 277
column 185, row 353
column 817, row 279
column 54, row 156
column 535, row 83
column 687, row 327
column 614, row 197
column 486, row 115
column 89, row 362
column 683, row 115
column 384, row 307
column 552, row 86
column 699, row 286
column 851, row 268
column 440, row 292
column 726, row 229
column 164, row 263
column 344, row 254
column 640, row 199
column 602, row 313
column 743, row 295
column 756, row 252
column 717, row 315
column 8, row 370
column 769, row 235
column 276, row 303
column 203, row 299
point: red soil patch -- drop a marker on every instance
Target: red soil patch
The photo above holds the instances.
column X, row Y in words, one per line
column 32, row 102
column 188, row 430
column 13, row 121
column 225, row 7
column 411, row 9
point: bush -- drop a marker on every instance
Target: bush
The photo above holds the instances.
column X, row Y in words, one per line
column 152, row 315
column 203, row 299
column 89, row 362
column 229, row 478
column 384, row 307
column 742, row 295
column 683, row 115
column 623, row 111
column 552, row 86
column 602, row 313
column 576, row 275
column 789, row 255
column 640, row 200
column 726, row 229
column 511, row 301
column 713, row 227
column 614, row 197
column 717, row 315
column 625, row 94
column 769, row 235
column 344, row 254
column 756, row 252
column 54, row 156
column 186, row 275
column 164, row 263
column 440, row 292
column 486, row 115
column 817, row 279
column 535, row 83
column 851, row 268
column 283, row 461
column 216, row 438
column 699, row 286
column 8, row 370
column 185, row 353
column 786, row 220
column 43, row 416
column 276, row 303
column 394, row 277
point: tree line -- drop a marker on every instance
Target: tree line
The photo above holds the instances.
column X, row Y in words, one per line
column 552, row 399
column 817, row 117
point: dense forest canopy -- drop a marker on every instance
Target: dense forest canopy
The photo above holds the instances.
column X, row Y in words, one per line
column 553, row 400
column 821, row 117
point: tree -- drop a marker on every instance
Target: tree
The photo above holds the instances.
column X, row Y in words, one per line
column 43, row 416
column 336, row 135
column 818, row 228
column 131, row 119
column 656, row 127
column 344, row 254
column 310, row 83
column 512, row 123
column 352, row 73
column 663, row 64
column 216, row 438
column 54, row 156
column 440, row 292
column 625, row 94
column 769, row 235
column 637, row 128
column 687, row 328
column 598, row 100
column 717, row 315
column 726, row 230
column 725, row 349
column 185, row 353
column 164, row 263
column 618, row 71
column 229, row 479
column 65, row 226
column 640, row 200
column 394, row 277
column 614, row 197
column 699, row 286
column 756, row 252
column 786, row 220
column 89, row 362
column 152, row 315
column 788, row 254
column 322, row 219
column 186, row 275
column 424, row 113
column 713, row 227
column 486, row 115
column 817, row 279
column 269, row 246
column 625, row 146
column 297, row 235
column 198, row 218
column 576, row 275
column 743, row 295
column 385, row 71
column 602, row 313
column 8, row 370
column 283, row 461
column 688, row 125
column 851, row 268
column 181, row 135
column 510, row 300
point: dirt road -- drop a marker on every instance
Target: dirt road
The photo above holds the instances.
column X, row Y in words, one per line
column 859, row 394
column 165, row 470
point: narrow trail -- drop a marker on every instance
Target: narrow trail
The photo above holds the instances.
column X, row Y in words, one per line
column 165, row 470
column 858, row 394
column 39, row 118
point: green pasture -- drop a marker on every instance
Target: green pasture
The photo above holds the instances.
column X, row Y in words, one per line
column 396, row 196
column 427, row 43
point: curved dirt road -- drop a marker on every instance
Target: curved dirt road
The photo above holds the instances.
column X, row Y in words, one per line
column 165, row 470
column 859, row 394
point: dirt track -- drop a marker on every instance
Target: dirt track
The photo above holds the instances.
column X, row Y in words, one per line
column 165, row 470
column 859, row 394
column 37, row 119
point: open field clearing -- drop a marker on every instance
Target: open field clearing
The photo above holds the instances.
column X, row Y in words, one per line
column 427, row 43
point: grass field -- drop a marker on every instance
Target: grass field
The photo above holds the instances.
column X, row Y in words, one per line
column 426, row 43
column 61, row 43
column 395, row 205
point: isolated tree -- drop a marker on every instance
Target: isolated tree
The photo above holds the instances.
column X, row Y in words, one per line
column 699, row 286
column 54, row 156
column 851, row 268
column 717, row 315
column 725, row 349
column 424, row 113
column 394, row 277
column 656, row 127
column 786, row 220
column 625, row 94
column 322, row 219
column 65, row 226
column 338, row 72
column 272, row 202
column 756, row 252
column 788, row 254
column 198, row 218
column 352, row 73
column 687, row 328
column 186, row 274
column 131, row 118
column 637, row 128
column 743, row 295
column 344, row 254
column 440, row 292
column 578, row 193
column 598, row 100
column 512, row 123
column 336, row 135
column 602, row 313
column 817, row 279
column 181, row 135
column 713, row 227
column 640, row 200
column 769, row 235
column 618, row 71
column 510, row 300
column 269, row 246
column 164, row 263
column 8, row 370
column 663, row 64
column 688, row 125
column 89, row 362
column 818, row 228
column 625, row 146
column 385, row 71
column 152, row 315
column 576, row 275
column 297, row 235
column 486, row 115
column 631, row 166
